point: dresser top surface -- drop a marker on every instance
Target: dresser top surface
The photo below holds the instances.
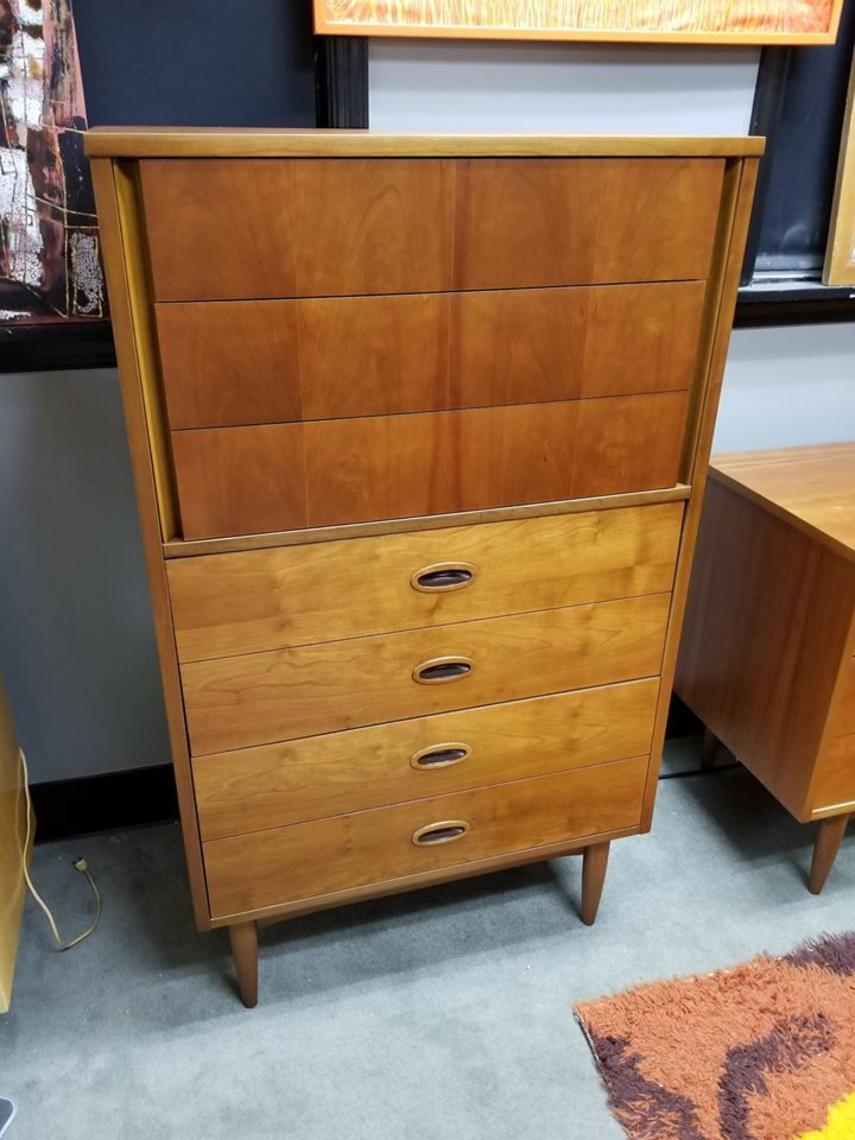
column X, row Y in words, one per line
column 215, row 142
column 812, row 487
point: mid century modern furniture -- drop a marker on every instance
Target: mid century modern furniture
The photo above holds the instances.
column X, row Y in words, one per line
column 419, row 428
column 767, row 654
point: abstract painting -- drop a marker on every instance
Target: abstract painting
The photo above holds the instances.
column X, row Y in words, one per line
column 50, row 267
column 686, row 21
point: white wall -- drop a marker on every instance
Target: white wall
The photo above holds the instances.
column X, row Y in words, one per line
column 471, row 86
column 788, row 385
column 77, row 645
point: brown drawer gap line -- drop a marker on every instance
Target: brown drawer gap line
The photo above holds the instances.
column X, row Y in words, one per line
column 431, row 292
column 425, row 411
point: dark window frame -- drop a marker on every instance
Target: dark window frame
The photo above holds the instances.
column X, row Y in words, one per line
column 802, row 301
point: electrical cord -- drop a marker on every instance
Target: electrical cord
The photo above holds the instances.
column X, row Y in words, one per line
column 79, row 865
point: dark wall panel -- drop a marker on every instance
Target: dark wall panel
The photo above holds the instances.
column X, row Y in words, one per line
column 197, row 62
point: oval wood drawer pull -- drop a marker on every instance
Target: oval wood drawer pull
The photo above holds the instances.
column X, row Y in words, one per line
column 443, row 576
column 443, row 831
column 441, row 670
column 440, row 755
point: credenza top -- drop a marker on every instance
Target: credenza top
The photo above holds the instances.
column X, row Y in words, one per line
column 813, row 488
column 217, row 142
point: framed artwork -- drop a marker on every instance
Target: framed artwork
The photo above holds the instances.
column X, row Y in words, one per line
column 840, row 252
column 50, row 268
column 679, row 21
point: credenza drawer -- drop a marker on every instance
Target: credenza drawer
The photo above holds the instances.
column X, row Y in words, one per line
column 256, row 788
column 305, row 860
column 254, row 228
column 260, row 698
column 255, row 600
column 251, row 362
column 244, row 480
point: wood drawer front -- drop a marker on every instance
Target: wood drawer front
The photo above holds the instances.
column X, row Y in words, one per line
column 251, row 362
column 255, row 600
column 274, row 867
column 234, row 228
column 260, row 698
column 278, row 784
column 245, row 480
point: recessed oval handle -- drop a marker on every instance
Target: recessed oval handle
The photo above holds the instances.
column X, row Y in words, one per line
column 441, row 670
column 443, row 576
column 440, row 755
column 443, row 831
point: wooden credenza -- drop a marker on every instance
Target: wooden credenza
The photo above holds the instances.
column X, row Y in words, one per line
column 768, row 653
column 419, row 427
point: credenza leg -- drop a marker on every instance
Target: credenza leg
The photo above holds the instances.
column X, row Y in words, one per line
column 709, row 749
column 594, row 863
column 825, row 850
column 244, row 940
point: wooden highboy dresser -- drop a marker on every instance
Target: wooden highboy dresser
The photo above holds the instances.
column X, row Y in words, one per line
column 419, row 428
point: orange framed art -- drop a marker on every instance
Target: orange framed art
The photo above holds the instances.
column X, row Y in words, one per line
column 675, row 21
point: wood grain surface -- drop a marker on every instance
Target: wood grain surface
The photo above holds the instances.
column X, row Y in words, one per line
column 305, row 859
column 279, row 142
column 119, row 226
column 834, row 788
column 288, row 693
column 811, row 487
column 249, row 362
column 842, row 718
column 270, row 599
column 334, row 227
column 766, row 626
column 256, row 788
column 326, row 472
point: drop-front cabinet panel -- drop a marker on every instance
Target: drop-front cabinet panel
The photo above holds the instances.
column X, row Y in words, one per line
column 419, row 428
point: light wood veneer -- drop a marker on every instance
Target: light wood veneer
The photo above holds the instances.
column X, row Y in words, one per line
column 254, row 698
column 245, row 872
column 269, row 599
column 257, row 788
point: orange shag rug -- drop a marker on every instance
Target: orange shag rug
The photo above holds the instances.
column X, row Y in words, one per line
column 765, row 1051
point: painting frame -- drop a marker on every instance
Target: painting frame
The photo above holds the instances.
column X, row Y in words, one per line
column 839, row 266
column 327, row 25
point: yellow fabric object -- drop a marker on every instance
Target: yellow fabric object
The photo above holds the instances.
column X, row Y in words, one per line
column 840, row 1124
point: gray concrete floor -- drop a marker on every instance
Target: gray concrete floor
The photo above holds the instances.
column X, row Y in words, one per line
column 446, row 1012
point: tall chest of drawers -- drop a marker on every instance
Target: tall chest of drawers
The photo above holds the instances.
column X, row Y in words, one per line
column 419, row 429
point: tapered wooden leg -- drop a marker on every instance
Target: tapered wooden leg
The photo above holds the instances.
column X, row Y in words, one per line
column 709, row 749
column 244, row 940
column 825, row 850
column 594, row 863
